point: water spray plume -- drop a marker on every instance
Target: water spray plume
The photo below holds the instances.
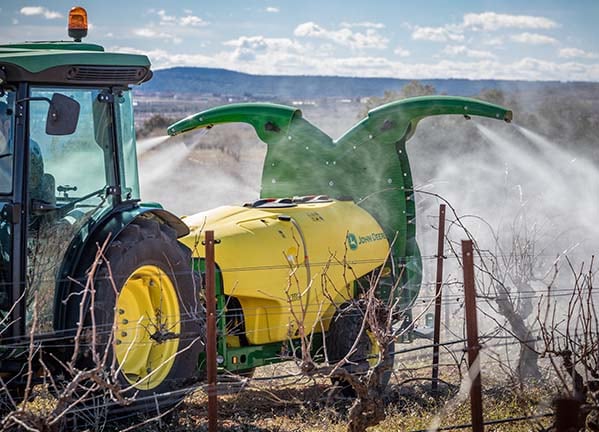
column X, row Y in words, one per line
column 191, row 174
column 147, row 144
column 538, row 178
column 515, row 155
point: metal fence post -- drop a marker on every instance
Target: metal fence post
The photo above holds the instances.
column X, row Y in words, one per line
column 476, row 405
column 211, row 333
column 438, row 298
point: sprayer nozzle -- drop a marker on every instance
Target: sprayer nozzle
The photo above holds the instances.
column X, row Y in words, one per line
column 508, row 117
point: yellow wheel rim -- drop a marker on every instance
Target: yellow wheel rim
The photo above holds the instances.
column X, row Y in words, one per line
column 147, row 327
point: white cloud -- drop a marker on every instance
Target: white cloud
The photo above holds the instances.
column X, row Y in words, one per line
column 40, row 10
column 497, row 41
column 150, row 33
column 437, row 34
column 364, row 24
column 576, row 53
column 163, row 59
column 345, row 36
column 261, row 41
column 272, row 9
column 188, row 20
column 533, row 39
column 461, row 50
column 402, row 52
column 145, row 32
column 164, row 18
column 252, row 48
column 486, row 21
column 491, row 21
column 192, row 20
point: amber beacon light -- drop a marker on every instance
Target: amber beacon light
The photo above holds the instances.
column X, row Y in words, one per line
column 77, row 23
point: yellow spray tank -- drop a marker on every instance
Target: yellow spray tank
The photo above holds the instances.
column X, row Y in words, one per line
column 290, row 261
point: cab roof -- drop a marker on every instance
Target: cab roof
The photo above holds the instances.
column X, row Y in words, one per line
column 66, row 62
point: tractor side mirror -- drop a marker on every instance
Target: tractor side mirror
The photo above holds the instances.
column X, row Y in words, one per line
column 63, row 115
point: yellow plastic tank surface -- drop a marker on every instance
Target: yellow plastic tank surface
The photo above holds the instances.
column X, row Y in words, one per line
column 300, row 255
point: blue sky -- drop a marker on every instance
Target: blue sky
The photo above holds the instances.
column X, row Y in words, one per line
column 534, row 40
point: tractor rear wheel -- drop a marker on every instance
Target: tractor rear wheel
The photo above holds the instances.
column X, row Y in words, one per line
column 343, row 332
column 147, row 292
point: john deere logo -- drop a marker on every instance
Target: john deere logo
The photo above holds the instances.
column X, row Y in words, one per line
column 352, row 241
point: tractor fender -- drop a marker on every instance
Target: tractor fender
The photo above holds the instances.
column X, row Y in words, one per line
column 82, row 253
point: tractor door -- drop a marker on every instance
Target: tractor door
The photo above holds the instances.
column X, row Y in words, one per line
column 9, row 213
column 72, row 183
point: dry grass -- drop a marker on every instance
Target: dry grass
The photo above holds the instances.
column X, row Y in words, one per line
column 290, row 405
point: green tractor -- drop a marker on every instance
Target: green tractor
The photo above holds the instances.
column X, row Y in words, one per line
column 90, row 274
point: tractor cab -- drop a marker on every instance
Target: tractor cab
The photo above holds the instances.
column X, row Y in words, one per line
column 67, row 161
column 76, row 244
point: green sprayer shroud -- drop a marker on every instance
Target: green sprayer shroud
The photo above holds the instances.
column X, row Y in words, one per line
column 368, row 163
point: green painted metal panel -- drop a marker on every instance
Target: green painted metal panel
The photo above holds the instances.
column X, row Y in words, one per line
column 35, row 57
column 52, row 45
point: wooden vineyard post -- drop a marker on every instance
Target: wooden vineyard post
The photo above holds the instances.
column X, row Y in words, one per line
column 211, row 333
column 476, row 405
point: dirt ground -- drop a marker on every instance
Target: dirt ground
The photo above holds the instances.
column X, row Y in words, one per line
column 311, row 405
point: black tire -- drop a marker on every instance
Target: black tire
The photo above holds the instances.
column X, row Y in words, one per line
column 145, row 242
column 343, row 332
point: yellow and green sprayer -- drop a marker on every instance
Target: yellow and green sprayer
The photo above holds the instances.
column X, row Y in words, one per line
column 88, row 267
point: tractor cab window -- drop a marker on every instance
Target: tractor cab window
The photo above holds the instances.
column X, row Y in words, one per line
column 126, row 135
column 74, row 170
column 69, row 180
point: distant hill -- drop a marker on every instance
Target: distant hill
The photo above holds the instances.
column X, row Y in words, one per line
column 222, row 82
